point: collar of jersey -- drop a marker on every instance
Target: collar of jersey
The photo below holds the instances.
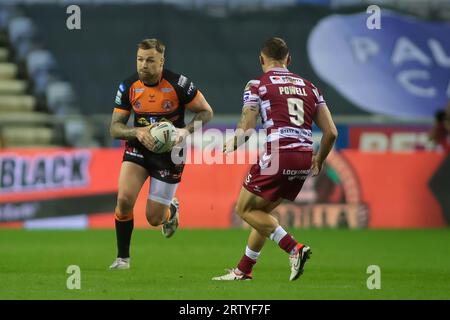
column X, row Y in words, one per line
column 278, row 69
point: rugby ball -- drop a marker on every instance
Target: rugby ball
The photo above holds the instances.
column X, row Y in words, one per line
column 165, row 135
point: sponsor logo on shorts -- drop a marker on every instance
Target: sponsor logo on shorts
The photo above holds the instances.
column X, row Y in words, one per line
column 164, row 173
column 295, row 174
column 134, row 153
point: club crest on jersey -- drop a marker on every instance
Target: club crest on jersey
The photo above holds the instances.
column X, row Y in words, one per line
column 167, row 105
column 137, row 105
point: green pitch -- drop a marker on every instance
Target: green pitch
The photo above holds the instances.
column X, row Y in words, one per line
column 415, row 264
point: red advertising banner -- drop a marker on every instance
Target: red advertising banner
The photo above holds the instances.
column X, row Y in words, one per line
column 396, row 188
column 389, row 138
column 355, row 190
column 45, row 183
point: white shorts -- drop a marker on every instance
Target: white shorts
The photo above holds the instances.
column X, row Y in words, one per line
column 161, row 191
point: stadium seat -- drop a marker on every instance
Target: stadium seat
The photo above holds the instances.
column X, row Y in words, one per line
column 77, row 132
column 24, row 118
column 12, row 86
column 7, row 70
column 4, row 53
column 14, row 136
column 20, row 29
column 60, row 97
column 40, row 61
column 17, row 103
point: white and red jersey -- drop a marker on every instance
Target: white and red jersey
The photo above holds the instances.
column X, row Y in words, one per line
column 287, row 104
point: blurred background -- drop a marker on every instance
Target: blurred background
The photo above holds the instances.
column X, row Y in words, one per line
column 388, row 88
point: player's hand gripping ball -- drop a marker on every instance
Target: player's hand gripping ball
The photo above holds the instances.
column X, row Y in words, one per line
column 165, row 135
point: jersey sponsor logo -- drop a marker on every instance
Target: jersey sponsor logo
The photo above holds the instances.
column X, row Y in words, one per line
column 408, row 63
column 191, row 88
column 182, row 81
column 166, row 90
column 287, row 80
column 250, row 98
column 289, row 131
column 119, row 97
column 122, row 87
column 247, row 96
column 139, row 90
column 143, row 121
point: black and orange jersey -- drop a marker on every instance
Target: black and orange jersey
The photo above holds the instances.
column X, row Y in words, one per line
column 167, row 99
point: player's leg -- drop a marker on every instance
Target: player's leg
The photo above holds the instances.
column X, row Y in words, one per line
column 162, row 206
column 285, row 184
column 256, row 239
column 132, row 177
column 257, row 212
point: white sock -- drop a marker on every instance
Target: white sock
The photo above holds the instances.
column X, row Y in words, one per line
column 278, row 234
column 251, row 254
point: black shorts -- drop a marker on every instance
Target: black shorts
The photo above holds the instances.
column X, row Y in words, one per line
column 159, row 165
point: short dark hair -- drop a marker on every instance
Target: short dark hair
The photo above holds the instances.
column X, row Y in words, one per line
column 275, row 48
column 152, row 44
column 439, row 116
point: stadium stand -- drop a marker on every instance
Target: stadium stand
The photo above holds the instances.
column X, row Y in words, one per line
column 222, row 55
column 37, row 108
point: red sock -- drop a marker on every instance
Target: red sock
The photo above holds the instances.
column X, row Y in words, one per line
column 246, row 264
column 287, row 243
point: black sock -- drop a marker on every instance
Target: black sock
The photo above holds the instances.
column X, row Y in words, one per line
column 123, row 235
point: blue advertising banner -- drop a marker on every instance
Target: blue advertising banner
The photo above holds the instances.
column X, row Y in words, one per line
column 401, row 69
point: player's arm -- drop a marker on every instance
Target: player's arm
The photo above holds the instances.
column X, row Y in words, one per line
column 249, row 117
column 203, row 114
column 325, row 123
column 120, row 130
